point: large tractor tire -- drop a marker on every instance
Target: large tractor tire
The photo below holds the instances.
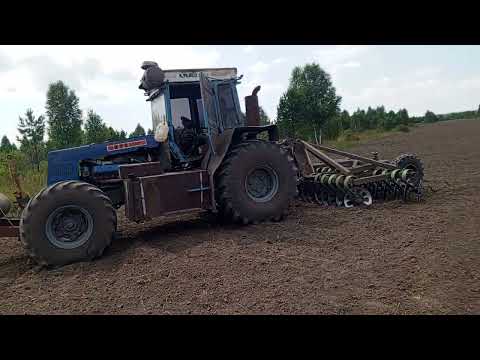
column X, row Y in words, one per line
column 68, row 222
column 256, row 182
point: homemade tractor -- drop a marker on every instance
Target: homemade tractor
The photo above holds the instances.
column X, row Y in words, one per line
column 204, row 155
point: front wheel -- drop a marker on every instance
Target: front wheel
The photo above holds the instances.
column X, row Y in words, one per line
column 256, row 182
column 68, row 222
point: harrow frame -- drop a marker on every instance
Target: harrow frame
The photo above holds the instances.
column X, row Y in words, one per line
column 352, row 178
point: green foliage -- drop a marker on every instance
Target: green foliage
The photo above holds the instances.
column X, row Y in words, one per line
column 32, row 179
column 115, row 135
column 390, row 120
column 378, row 118
column 95, row 129
column 332, row 128
column 310, row 109
column 403, row 118
column 287, row 120
column 344, row 119
column 64, row 117
column 462, row 115
column 309, row 103
column 32, row 131
column 6, row 146
column 358, row 120
column 430, row 117
column 264, row 119
column 349, row 135
column 402, row 128
column 370, row 119
column 139, row 131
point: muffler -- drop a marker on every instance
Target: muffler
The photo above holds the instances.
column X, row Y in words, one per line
column 252, row 108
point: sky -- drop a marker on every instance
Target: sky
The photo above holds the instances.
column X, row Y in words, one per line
column 106, row 77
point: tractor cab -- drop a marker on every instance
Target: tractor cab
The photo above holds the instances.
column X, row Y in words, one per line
column 191, row 107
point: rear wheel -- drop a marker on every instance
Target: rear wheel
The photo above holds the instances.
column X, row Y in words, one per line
column 68, row 222
column 256, row 182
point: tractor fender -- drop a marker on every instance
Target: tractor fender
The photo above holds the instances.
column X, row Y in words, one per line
column 253, row 131
column 214, row 157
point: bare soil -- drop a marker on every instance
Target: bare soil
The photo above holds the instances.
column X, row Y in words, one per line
column 390, row 258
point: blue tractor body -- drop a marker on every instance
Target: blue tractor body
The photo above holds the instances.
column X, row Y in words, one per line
column 67, row 164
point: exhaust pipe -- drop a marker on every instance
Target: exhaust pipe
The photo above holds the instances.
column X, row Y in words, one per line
column 252, row 108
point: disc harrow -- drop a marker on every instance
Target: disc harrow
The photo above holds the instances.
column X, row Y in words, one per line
column 354, row 180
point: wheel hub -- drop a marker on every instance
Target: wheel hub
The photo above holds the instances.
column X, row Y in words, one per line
column 69, row 227
column 261, row 184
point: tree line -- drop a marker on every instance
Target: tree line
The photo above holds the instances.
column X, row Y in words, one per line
column 66, row 128
column 310, row 109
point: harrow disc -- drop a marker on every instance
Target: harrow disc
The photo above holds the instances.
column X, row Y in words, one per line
column 348, row 202
column 339, row 200
column 358, row 197
column 366, row 197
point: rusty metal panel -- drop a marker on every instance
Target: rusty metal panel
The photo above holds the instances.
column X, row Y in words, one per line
column 9, row 228
column 303, row 161
column 133, row 204
column 173, row 192
column 139, row 170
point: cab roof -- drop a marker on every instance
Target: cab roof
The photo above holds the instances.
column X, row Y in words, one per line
column 193, row 75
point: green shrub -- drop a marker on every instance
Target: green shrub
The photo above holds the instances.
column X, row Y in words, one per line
column 402, row 128
column 349, row 135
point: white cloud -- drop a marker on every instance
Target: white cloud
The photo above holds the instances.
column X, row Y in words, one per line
column 428, row 71
column 248, row 49
column 341, row 53
column 351, row 64
column 5, row 63
column 470, row 84
column 411, row 91
column 279, row 60
column 334, row 59
column 259, row 67
column 425, row 83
